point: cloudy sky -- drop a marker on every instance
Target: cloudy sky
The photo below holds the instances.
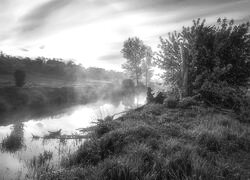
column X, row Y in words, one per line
column 92, row 31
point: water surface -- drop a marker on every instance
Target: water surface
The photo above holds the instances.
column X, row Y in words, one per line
column 15, row 164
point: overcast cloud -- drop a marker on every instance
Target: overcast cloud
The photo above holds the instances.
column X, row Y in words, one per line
column 92, row 31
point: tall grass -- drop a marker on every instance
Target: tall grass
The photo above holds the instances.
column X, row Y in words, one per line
column 157, row 143
column 14, row 141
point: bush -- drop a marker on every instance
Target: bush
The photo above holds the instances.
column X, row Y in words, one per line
column 222, row 94
column 19, row 76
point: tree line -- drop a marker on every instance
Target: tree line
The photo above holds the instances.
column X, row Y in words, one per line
column 57, row 68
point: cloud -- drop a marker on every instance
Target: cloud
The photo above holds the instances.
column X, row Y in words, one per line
column 24, row 49
column 40, row 15
column 93, row 31
column 111, row 57
column 42, row 47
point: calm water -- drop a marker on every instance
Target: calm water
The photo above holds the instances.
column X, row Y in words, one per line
column 14, row 165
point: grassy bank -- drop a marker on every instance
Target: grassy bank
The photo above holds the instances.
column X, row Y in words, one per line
column 156, row 142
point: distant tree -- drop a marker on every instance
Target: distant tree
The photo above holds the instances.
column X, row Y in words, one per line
column 147, row 65
column 134, row 51
column 19, row 76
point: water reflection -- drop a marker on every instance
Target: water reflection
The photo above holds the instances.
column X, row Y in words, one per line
column 15, row 159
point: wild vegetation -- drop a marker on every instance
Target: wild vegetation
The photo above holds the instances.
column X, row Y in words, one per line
column 200, row 131
column 157, row 142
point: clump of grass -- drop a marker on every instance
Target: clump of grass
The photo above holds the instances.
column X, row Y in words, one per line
column 104, row 126
column 87, row 154
column 14, row 141
column 209, row 141
column 112, row 169
column 40, row 165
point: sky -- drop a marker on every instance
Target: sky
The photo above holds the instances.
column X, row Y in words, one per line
column 92, row 32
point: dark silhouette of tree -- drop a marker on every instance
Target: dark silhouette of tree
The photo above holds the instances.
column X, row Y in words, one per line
column 19, row 76
column 134, row 51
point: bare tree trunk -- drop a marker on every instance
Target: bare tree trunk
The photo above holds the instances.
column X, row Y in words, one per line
column 184, row 73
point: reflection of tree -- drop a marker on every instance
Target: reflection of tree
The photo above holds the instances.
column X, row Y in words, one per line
column 128, row 101
column 14, row 141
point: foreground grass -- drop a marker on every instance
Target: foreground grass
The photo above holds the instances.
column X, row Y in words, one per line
column 157, row 143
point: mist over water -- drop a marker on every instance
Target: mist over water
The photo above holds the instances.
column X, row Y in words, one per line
column 16, row 163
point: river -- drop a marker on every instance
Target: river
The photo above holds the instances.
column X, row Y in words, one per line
column 15, row 161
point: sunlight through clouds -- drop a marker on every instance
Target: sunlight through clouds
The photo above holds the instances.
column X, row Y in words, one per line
column 91, row 31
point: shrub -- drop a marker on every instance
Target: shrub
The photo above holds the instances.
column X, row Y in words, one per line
column 222, row 94
column 19, row 76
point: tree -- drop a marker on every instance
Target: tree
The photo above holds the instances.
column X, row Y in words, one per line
column 147, row 71
column 170, row 60
column 202, row 54
column 19, row 76
column 134, row 51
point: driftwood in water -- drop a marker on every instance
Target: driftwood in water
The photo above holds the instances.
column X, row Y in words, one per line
column 76, row 136
column 58, row 135
column 55, row 133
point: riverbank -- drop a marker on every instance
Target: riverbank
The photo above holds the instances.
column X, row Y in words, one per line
column 157, row 142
